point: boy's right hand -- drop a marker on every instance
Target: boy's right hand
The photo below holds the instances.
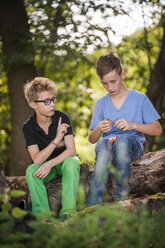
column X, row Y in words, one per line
column 61, row 130
column 105, row 125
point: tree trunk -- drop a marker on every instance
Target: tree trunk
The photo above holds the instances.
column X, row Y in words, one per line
column 2, row 180
column 146, row 178
column 18, row 62
column 147, row 174
column 156, row 88
column 19, row 157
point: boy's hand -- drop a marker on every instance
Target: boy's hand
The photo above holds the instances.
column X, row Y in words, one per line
column 61, row 130
column 43, row 171
column 105, row 125
column 123, row 125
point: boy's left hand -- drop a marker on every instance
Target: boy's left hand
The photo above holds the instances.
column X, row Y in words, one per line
column 123, row 125
column 43, row 171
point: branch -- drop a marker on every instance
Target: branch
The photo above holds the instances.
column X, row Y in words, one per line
column 58, row 18
column 146, row 41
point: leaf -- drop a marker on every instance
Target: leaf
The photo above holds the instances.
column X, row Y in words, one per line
column 17, row 193
column 1, row 197
column 6, row 207
column 18, row 212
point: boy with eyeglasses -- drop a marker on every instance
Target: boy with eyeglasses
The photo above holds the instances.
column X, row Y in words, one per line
column 50, row 143
column 121, row 118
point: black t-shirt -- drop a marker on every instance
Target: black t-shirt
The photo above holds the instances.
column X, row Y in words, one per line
column 34, row 134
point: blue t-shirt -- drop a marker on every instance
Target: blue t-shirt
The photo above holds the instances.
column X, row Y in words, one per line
column 136, row 108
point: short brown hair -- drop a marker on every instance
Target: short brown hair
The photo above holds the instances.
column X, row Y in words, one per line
column 108, row 62
column 36, row 86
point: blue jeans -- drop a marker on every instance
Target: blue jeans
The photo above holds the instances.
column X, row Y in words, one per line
column 125, row 149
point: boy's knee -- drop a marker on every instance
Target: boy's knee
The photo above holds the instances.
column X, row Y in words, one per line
column 31, row 169
column 124, row 139
column 71, row 164
column 102, row 145
column 122, row 142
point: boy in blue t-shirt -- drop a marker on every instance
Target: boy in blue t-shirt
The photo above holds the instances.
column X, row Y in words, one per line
column 121, row 117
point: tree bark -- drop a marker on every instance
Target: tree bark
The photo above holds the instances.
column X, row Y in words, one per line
column 2, row 180
column 156, row 88
column 18, row 61
column 147, row 174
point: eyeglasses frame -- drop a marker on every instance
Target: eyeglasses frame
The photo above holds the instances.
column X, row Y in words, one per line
column 53, row 99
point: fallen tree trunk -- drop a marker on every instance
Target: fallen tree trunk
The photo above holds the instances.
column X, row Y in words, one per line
column 53, row 187
column 147, row 177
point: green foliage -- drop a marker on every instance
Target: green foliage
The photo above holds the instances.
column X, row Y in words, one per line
column 5, row 121
column 18, row 213
column 17, row 193
column 60, row 27
column 108, row 226
column 134, row 55
column 81, row 197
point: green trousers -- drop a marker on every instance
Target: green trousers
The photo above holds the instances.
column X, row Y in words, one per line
column 69, row 169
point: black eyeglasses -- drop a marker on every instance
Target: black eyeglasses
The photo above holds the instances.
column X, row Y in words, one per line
column 48, row 101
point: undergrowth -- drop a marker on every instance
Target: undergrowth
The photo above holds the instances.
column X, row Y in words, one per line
column 108, row 226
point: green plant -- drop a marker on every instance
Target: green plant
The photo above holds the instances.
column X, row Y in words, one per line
column 108, row 226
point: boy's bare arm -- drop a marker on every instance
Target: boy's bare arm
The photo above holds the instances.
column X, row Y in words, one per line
column 153, row 129
column 94, row 135
column 70, row 151
column 102, row 127
column 38, row 156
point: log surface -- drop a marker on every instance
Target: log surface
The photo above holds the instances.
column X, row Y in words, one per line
column 147, row 177
column 147, row 174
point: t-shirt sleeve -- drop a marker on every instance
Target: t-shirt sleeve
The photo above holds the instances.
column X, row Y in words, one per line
column 97, row 115
column 66, row 119
column 29, row 136
column 149, row 112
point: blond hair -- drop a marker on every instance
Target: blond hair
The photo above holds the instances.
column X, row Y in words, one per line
column 36, row 86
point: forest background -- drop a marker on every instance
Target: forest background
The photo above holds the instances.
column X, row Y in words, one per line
column 61, row 40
